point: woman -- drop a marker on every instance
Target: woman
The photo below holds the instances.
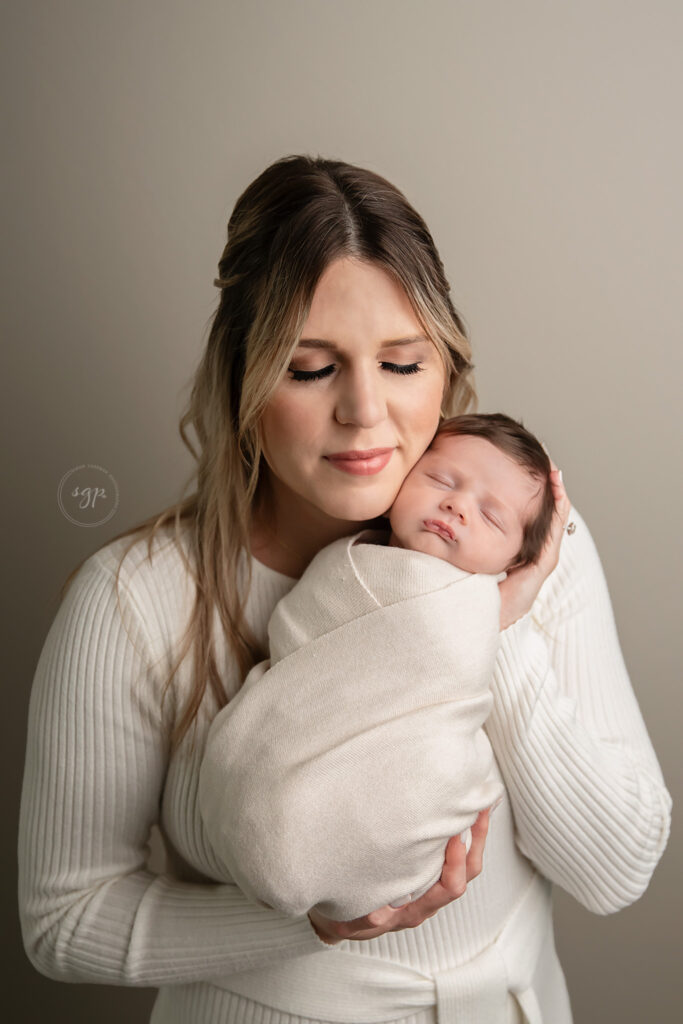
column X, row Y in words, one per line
column 335, row 336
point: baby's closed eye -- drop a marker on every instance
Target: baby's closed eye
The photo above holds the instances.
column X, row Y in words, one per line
column 491, row 518
column 440, row 481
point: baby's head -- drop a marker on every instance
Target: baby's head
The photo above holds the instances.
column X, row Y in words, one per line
column 480, row 496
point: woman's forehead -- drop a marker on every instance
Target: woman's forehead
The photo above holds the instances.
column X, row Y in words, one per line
column 355, row 298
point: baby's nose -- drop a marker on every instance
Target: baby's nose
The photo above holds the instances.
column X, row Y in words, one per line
column 456, row 506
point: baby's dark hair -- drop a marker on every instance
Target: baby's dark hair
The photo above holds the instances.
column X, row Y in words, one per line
column 514, row 440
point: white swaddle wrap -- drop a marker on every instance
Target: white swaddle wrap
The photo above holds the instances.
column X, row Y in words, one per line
column 337, row 774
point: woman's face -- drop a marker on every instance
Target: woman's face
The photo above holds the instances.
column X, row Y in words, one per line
column 364, row 379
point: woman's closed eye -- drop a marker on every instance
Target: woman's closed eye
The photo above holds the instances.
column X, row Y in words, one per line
column 402, row 367
column 325, row 371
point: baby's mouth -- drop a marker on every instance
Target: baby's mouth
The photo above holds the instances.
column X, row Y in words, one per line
column 440, row 528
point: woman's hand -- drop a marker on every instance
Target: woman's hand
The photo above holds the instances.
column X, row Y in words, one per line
column 520, row 589
column 459, row 869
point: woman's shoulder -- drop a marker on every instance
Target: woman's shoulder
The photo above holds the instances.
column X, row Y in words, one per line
column 155, row 579
column 167, row 556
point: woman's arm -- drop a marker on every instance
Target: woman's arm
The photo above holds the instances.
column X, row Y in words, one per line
column 590, row 805
column 95, row 765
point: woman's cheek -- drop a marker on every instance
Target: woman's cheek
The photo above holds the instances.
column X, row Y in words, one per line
column 424, row 415
column 285, row 419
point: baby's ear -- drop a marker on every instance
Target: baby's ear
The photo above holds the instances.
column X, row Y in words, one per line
column 516, row 563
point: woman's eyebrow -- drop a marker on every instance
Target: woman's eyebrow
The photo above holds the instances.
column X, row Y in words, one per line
column 393, row 343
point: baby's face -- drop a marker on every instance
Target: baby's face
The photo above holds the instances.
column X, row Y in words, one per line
column 467, row 502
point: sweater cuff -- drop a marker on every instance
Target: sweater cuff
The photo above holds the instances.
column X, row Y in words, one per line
column 517, row 629
column 320, row 943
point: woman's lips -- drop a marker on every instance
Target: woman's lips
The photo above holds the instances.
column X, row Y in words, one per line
column 361, row 463
column 442, row 529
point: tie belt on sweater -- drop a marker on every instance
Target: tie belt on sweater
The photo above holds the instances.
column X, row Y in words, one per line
column 349, row 988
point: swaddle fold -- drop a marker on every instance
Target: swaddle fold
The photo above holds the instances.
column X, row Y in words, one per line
column 337, row 774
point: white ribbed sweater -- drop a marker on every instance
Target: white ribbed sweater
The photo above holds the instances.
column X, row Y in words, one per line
column 585, row 800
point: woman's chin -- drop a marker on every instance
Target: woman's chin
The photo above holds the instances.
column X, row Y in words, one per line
column 361, row 512
column 356, row 508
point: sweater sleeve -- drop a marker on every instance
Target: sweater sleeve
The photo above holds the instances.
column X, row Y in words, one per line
column 590, row 806
column 96, row 758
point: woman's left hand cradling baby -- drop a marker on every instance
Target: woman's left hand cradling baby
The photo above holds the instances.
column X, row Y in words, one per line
column 460, row 867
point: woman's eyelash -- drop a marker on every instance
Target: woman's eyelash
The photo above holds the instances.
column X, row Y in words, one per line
column 406, row 368
column 400, row 368
column 312, row 374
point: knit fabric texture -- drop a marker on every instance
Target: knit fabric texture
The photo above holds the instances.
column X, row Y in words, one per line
column 584, row 804
column 336, row 776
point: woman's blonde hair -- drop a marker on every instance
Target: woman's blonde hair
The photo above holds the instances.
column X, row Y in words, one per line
column 289, row 224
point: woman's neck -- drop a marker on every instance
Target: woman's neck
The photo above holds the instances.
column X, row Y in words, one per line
column 287, row 538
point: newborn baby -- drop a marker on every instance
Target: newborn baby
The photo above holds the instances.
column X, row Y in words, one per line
column 479, row 497
column 337, row 774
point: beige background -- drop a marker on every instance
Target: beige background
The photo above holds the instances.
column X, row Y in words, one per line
column 540, row 140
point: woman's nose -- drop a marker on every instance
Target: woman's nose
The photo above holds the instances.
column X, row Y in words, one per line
column 360, row 400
